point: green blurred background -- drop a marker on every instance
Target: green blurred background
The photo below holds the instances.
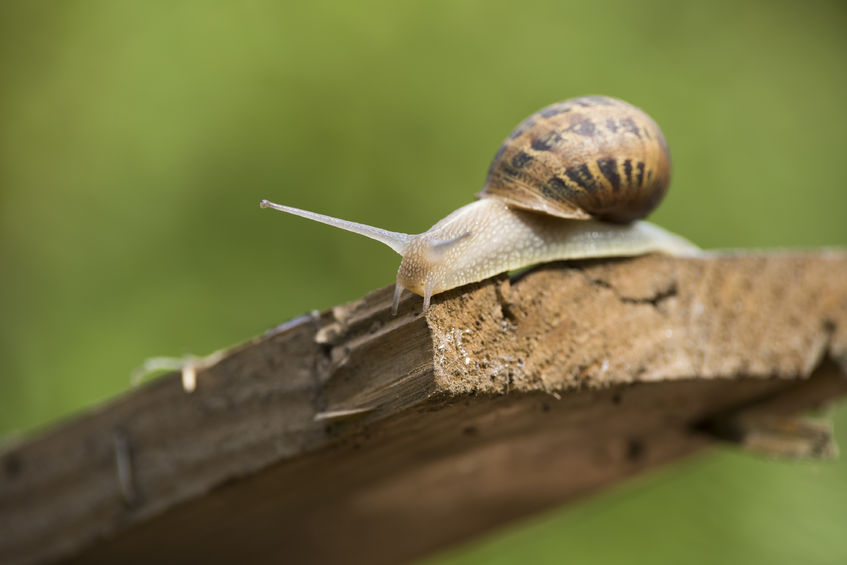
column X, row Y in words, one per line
column 136, row 139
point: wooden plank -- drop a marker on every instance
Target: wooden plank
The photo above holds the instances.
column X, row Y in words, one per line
column 377, row 439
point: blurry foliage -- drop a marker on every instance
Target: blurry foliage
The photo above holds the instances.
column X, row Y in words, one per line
column 138, row 137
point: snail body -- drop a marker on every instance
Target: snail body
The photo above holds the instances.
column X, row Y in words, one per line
column 570, row 182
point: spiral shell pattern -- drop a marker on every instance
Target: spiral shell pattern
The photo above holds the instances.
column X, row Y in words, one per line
column 589, row 157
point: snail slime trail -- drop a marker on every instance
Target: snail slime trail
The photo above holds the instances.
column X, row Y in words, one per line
column 572, row 181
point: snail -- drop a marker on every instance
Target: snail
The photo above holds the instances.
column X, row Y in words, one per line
column 572, row 181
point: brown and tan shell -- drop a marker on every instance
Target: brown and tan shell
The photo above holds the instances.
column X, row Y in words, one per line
column 589, row 157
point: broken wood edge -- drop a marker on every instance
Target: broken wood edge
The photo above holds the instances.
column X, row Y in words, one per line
column 491, row 300
column 773, row 427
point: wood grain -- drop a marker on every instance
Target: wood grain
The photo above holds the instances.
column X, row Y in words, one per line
column 360, row 436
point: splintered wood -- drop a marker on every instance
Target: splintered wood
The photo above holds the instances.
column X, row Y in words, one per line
column 355, row 436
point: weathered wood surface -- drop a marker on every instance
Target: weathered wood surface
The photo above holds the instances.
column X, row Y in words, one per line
column 356, row 436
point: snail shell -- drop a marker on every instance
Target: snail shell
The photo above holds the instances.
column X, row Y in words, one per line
column 589, row 157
